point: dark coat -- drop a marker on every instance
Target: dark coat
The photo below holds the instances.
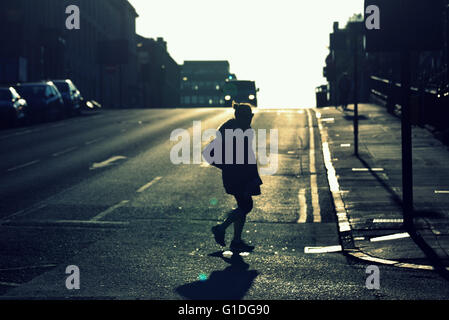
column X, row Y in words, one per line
column 239, row 178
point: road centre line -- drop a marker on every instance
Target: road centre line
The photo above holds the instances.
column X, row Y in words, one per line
column 66, row 223
column 23, row 165
column 149, row 184
column 60, row 153
column 302, row 206
column 58, row 125
column 93, row 141
column 19, row 133
column 108, row 211
column 9, row 284
column 29, row 267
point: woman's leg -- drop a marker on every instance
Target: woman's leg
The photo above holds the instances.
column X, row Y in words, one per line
column 237, row 216
column 233, row 216
column 245, row 204
column 238, row 228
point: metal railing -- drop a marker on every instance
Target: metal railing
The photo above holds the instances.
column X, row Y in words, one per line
column 428, row 106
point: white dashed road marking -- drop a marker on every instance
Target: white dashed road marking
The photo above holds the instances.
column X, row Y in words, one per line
column 23, row 165
column 60, row 153
column 149, row 184
column 106, row 163
column 322, row 249
column 108, row 211
column 388, row 220
column 9, row 284
column 93, row 141
column 391, row 237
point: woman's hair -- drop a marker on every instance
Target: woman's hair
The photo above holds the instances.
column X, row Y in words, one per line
column 242, row 110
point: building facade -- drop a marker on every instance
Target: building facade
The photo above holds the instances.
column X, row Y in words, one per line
column 159, row 74
column 428, row 69
column 343, row 43
column 202, row 83
column 37, row 43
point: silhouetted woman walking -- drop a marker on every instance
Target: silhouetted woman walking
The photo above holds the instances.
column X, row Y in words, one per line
column 240, row 180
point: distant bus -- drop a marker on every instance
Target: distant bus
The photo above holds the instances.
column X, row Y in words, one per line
column 240, row 91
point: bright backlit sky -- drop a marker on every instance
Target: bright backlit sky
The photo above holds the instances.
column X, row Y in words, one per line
column 280, row 44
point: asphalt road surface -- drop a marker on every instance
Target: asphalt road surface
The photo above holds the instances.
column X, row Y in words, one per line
column 100, row 192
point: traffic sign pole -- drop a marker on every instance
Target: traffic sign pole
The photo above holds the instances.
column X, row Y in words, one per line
column 404, row 26
column 406, row 133
column 356, row 106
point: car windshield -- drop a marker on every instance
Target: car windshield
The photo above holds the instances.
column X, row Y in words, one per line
column 62, row 86
column 240, row 87
column 5, row 94
column 30, row 91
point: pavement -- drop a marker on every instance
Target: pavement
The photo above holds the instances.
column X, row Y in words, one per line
column 367, row 189
column 99, row 192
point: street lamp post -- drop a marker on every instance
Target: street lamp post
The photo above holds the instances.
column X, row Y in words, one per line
column 406, row 136
column 356, row 31
column 356, row 106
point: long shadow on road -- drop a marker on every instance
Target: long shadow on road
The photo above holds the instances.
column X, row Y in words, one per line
column 232, row 283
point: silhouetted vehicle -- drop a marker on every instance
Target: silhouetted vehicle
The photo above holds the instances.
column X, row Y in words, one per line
column 12, row 107
column 44, row 100
column 71, row 96
column 321, row 93
column 240, row 91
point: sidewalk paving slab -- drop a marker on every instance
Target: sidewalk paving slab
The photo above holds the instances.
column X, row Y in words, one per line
column 370, row 186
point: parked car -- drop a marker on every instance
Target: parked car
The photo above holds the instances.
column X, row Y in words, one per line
column 92, row 105
column 12, row 107
column 44, row 100
column 88, row 106
column 71, row 96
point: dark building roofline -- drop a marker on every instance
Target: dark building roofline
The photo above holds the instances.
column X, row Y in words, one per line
column 124, row 4
column 157, row 42
column 206, row 61
column 131, row 7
